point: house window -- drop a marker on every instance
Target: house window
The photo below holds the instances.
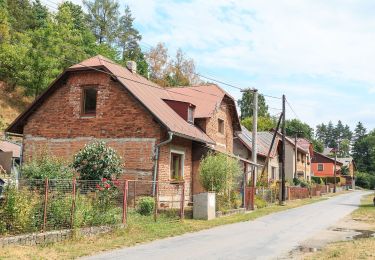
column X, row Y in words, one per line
column 191, row 115
column 177, row 162
column 89, row 101
column 320, row 167
column 221, row 126
column 273, row 173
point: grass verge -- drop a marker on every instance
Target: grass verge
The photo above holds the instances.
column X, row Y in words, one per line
column 140, row 229
column 356, row 249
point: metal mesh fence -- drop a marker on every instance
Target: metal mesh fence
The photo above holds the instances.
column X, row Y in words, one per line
column 44, row 205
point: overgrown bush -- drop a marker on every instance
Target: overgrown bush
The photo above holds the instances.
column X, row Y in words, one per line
column 235, row 199
column 20, row 211
column 96, row 161
column 47, row 167
column 260, row 202
column 146, row 206
column 301, row 182
column 365, row 180
column 218, row 172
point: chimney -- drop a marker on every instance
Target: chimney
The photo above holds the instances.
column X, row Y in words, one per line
column 132, row 66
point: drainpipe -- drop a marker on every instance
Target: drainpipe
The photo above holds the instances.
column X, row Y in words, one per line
column 157, row 148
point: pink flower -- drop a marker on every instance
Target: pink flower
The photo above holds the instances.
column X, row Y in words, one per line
column 104, row 179
column 107, row 186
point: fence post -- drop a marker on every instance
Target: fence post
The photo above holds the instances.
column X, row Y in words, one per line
column 124, row 203
column 45, row 204
column 289, row 193
column 135, row 192
column 156, row 200
column 73, row 203
column 182, row 205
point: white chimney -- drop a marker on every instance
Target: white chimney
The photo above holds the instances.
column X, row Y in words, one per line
column 132, row 66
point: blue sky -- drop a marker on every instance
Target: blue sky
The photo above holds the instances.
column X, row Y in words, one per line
column 320, row 54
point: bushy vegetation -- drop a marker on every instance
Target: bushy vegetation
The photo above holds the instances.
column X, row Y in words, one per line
column 47, row 167
column 260, row 202
column 146, row 206
column 96, row 161
column 365, row 180
column 220, row 173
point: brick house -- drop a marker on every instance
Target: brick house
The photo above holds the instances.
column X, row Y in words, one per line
column 161, row 134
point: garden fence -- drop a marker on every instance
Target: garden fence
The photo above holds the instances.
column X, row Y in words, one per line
column 31, row 205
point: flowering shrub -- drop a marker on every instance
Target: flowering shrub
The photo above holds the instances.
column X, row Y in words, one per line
column 108, row 193
column 96, row 161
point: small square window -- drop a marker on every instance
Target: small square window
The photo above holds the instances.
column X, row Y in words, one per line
column 220, row 126
column 320, row 167
column 191, row 115
column 89, row 101
column 176, row 166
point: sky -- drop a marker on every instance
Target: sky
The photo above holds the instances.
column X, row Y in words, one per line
column 320, row 54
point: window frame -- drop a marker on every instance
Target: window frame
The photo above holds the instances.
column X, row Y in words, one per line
column 190, row 114
column 83, row 100
column 220, row 122
column 182, row 164
column 322, row 165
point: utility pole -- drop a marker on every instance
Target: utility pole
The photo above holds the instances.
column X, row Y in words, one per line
column 334, row 174
column 282, row 202
column 255, row 136
column 254, row 151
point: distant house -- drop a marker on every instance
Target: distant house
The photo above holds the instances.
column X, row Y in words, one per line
column 243, row 147
column 161, row 134
column 323, row 166
column 10, row 154
column 350, row 167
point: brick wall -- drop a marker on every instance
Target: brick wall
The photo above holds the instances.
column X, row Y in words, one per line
column 57, row 127
column 224, row 142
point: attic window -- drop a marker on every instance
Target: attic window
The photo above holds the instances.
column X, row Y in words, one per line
column 220, row 123
column 191, row 115
column 89, row 101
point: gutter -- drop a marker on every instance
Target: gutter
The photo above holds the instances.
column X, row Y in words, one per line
column 156, row 164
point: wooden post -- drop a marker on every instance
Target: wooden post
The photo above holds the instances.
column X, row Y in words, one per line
column 73, row 203
column 135, row 192
column 124, row 202
column 45, row 204
column 182, row 204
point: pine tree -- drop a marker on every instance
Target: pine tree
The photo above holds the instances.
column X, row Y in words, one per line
column 246, row 105
column 128, row 41
column 359, row 132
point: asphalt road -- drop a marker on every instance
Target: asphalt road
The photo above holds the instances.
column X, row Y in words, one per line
column 267, row 237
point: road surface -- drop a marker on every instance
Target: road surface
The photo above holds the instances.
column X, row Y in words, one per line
column 268, row 237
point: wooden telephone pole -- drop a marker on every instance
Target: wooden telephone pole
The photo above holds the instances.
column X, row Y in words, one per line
column 282, row 201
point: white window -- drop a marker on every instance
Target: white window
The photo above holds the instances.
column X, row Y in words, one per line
column 177, row 165
column 320, row 167
column 191, row 115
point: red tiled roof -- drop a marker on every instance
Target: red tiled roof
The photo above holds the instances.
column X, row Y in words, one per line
column 148, row 93
column 6, row 146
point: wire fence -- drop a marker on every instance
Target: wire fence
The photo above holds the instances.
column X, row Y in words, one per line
column 44, row 205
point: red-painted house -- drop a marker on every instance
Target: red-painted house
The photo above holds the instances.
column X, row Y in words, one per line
column 323, row 166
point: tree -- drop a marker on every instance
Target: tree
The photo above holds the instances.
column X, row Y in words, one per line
column 96, row 161
column 359, row 132
column 246, row 105
column 40, row 15
column 181, row 71
column 295, row 126
column 218, row 173
column 128, row 41
column 321, row 133
column 344, row 150
column 364, row 153
column 103, row 19
column 157, row 59
column 318, row 146
column 264, row 123
column 20, row 14
column 330, row 136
